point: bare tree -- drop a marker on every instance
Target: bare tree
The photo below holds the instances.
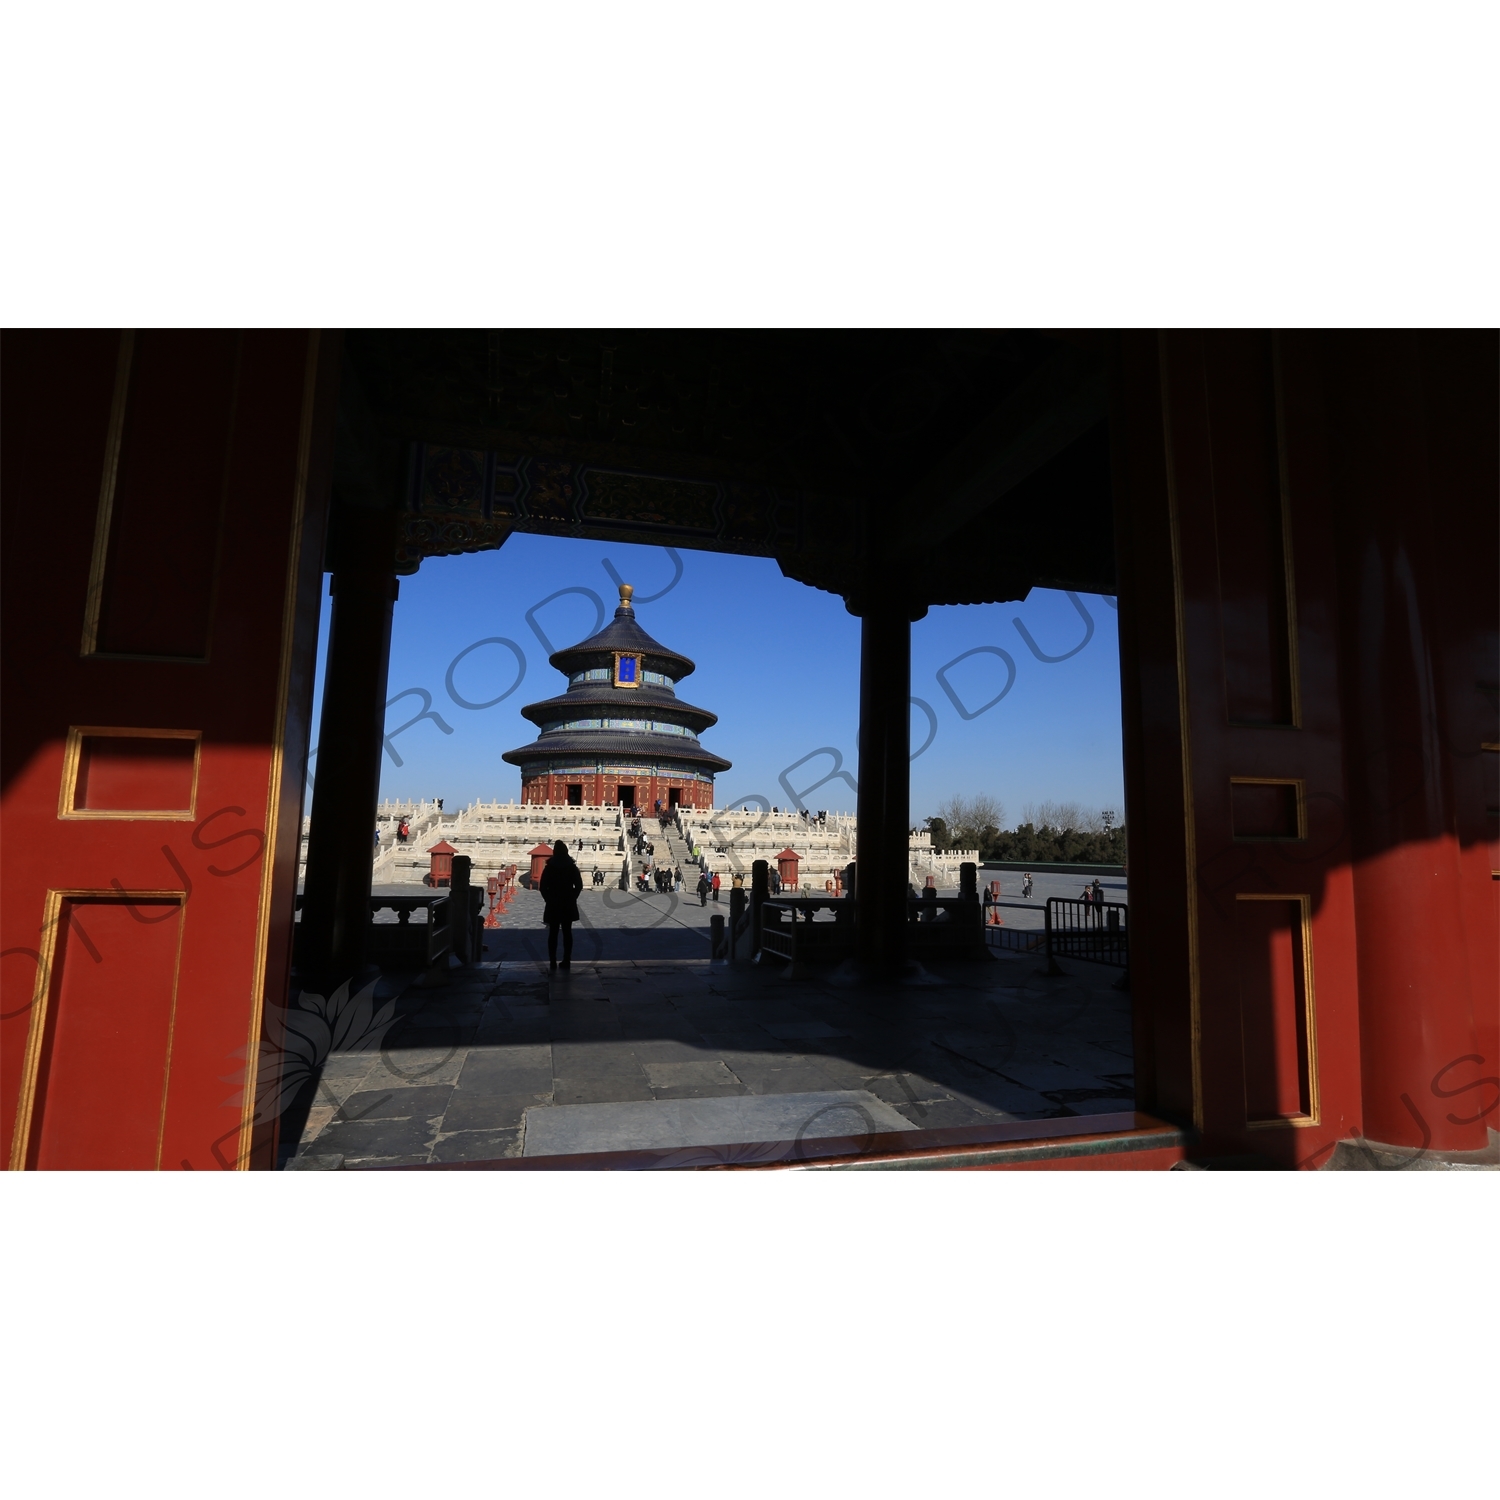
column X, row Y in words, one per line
column 970, row 820
column 1064, row 815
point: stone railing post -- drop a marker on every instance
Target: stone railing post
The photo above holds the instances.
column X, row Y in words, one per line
column 460, row 909
column 760, row 891
column 737, row 904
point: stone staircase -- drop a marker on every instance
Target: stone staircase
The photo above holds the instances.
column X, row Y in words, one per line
column 678, row 852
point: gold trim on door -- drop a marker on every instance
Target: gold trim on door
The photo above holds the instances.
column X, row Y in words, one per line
column 93, row 600
column 73, row 756
column 104, row 521
column 1189, row 821
column 1314, row 1104
column 1258, row 838
column 20, row 1145
column 1294, row 671
column 278, row 756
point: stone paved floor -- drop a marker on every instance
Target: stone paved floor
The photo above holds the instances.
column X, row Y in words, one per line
column 450, row 1074
column 615, row 925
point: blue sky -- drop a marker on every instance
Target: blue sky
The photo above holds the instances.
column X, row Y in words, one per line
column 777, row 661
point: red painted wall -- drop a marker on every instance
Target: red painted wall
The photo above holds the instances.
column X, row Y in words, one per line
column 599, row 791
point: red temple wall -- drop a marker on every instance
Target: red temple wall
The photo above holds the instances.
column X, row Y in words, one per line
column 600, row 791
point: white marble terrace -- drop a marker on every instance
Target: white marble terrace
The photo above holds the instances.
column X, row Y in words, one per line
column 497, row 834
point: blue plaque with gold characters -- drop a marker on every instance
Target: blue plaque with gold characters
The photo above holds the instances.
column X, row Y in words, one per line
column 627, row 669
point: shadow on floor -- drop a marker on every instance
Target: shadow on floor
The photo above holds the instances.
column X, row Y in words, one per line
column 460, row 1062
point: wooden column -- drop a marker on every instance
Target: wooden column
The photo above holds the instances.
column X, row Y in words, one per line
column 340, row 851
column 884, row 790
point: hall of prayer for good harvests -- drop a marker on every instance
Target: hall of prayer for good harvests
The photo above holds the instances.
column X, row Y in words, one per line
column 619, row 735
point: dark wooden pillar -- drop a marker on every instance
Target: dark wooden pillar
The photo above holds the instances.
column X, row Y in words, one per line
column 341, row 839
column 884, row 784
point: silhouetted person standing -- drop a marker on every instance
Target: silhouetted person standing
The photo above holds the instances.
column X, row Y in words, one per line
column 561, row 885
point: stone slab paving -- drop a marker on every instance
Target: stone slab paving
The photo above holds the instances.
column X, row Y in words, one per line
column 645, row 1126
column 471, row 1065
column 614, row 924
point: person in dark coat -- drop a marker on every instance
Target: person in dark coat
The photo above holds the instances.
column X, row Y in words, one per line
column 561, row 885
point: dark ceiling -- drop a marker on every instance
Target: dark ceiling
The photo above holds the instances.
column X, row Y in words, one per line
column 965, row 466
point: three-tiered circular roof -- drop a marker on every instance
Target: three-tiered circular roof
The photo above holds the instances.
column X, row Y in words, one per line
column 621, row 704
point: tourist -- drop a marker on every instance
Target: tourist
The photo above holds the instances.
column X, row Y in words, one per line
column 377, row 835
column 704, row 886
column 715, row 884
column 988, row 903
column 1026, row 886
column 678, row 878
column 1098, row 901
column 561, row 885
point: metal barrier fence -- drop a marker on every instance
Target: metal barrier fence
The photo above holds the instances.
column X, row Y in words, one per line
column 1096, row 934
column 1015, row 939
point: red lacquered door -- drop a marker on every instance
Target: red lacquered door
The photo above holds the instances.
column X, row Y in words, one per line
column 164, row 497
column 1307, row 532
column 1276, row 982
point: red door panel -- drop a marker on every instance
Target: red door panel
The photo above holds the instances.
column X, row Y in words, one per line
column 99, row 1077
column 164, row 499
column 1274, row 951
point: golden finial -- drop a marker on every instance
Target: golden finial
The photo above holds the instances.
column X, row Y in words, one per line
column 626, row 590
